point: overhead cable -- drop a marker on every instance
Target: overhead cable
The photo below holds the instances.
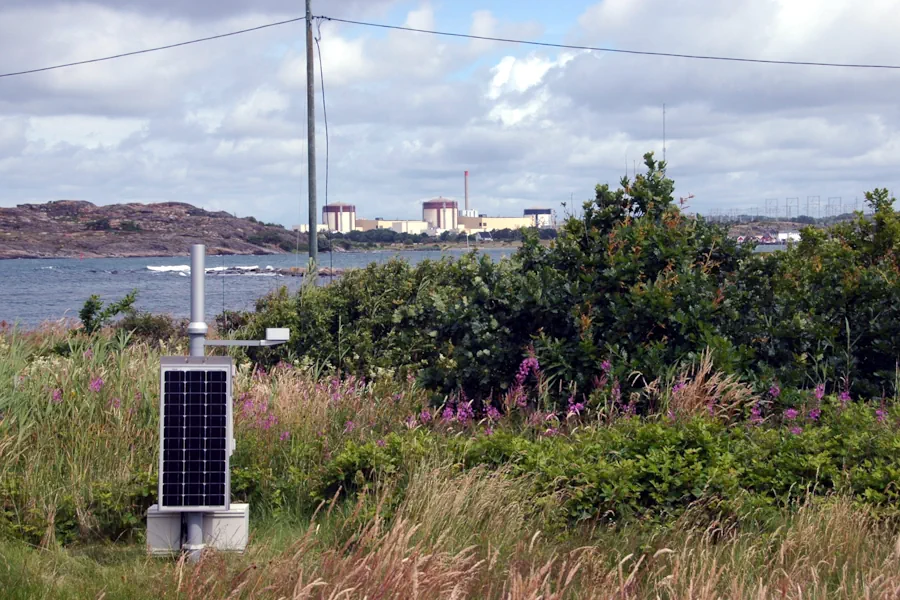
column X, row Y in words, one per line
column 148, row 50
column 614, row 50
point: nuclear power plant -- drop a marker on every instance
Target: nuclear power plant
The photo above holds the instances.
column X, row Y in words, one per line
column 438, row 215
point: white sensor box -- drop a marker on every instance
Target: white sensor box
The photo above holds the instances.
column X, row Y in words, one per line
column 224, row 530
column 278, row 334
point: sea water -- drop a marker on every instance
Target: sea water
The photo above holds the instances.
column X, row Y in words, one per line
column 35, row 290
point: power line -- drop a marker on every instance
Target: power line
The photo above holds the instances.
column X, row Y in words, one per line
column 614, row 50
column 148, row 50
column 327, row 144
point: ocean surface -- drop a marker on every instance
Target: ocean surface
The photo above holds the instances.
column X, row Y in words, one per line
column 35, row 290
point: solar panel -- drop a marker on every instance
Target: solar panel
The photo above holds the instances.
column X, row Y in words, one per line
column 195, row 433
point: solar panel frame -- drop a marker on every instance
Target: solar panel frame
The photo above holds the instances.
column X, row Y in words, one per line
column 186, row 364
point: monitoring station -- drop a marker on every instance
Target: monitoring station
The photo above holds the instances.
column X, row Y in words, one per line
column 196, row 441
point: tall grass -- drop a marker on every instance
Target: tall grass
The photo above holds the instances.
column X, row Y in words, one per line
column 78, row 452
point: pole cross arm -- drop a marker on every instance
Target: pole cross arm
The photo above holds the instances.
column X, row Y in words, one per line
column 242, row 342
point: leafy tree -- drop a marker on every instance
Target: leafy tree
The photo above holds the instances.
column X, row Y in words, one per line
column 94, row 315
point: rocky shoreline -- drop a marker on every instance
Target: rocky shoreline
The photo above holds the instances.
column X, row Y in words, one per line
column 79, row 229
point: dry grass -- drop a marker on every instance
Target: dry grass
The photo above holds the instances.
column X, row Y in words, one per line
column 701, row 390
column 830, row 550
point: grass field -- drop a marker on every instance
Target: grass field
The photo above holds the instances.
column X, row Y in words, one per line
column 365, row 490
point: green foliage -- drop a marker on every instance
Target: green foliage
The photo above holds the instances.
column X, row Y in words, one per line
column 652, row 468
column 129, row 226
column 98, row 225
column 148, row 327
column 94, row 315
column 633, row 281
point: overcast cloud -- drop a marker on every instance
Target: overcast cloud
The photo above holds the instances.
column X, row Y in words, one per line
column 222, row 124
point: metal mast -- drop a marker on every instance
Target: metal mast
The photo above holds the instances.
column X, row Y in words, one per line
column 311, row 139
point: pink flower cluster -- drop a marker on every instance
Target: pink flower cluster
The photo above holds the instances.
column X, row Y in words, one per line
column 256, row 414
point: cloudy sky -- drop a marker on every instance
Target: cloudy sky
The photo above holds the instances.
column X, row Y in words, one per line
column 222, row 124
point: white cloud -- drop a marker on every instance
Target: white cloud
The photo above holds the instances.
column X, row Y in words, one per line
column 222, row 124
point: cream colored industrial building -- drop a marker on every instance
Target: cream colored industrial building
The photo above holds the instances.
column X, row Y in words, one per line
column 476, row 224
column 400, row 226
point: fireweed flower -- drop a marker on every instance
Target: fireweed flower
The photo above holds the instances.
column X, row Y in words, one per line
column 349, row 426
column 774, row 391
column 756, row 415
column 448, row 415
column 492, row 413
column 616, row 392
column 57, row 396
column 820, row 391
column 425, row 416
column 678, row 387
column 881, row 415
column 96, row 384
column 115, row 402
column 844, row 398
column 791, row 414
column 380, row 443
column 796, row 430
column 814, row 414
column 284, row 435
column 489, row 430
column 464, row 412
column 605, row 366
column 529, row 365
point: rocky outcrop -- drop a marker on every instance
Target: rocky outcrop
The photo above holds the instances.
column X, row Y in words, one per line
column 75, row 228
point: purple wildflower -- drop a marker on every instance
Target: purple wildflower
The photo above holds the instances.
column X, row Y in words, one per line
column 115, row 402
column 774, row 391
column 448, row 415
column 267, row 423
column 88, row 354
column 820, row 391
column 529, row 365
column 349, row 426
column 425, row 416
column 489, row 430
column 796, row 430
column 616, row 392
column 670, row 415
column 410, row 421
column 814, row 414
column 844, row 398
column 791, row 414
column 575, row 408
column 284, row 436
column 756, row 415
column 380, row 443
column 57, row 396
column 551, row 432
column 678, row 387
column 881, row 415
column 96, row 384
column 605, row 366
column 492, row 413
column 464, row 412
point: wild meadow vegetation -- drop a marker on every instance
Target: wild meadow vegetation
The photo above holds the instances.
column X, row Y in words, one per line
column 642, row 409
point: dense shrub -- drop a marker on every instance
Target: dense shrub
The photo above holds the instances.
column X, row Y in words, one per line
column 634, row 283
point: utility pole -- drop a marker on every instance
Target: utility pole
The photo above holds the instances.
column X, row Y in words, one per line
column 311, row 140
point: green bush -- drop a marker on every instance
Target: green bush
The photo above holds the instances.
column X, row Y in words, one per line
column 633, row 290
column 149, row 327
column 94, row 315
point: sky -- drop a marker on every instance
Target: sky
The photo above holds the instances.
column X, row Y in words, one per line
column 222, row 124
